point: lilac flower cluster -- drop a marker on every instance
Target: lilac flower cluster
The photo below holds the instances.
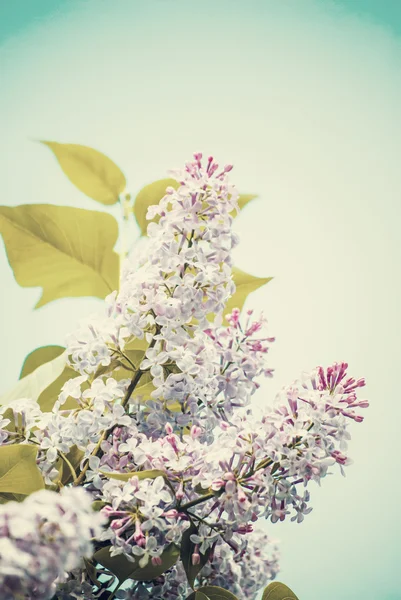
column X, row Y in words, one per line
column 42, row 539
column 161, row 407
column 243, row 574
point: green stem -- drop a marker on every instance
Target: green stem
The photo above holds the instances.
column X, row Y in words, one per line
column 69, row 465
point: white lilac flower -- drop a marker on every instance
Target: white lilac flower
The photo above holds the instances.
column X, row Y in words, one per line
column 42, row 538
column 217, row 458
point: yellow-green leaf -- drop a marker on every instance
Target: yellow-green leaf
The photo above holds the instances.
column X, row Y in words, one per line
column 19, row 473
column 90, row 171
column 67, row 251
column 244, row 199
column 245, row 284
column 150, row 474
column 48, row 397
column 278, row 591
column 124, row 569
column 149, row 195
column 33, row 384
column 38, row 357
column 143, row 392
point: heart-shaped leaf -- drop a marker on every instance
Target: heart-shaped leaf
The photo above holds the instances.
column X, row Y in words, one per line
column 19, row 473
column 90, row 171
column 278, row 591
column 124, row 569
column 67, row 251
column 149, row 195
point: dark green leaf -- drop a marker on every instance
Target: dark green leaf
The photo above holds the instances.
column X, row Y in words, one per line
column 197, row 596
column 187, row 549
column 124, row 569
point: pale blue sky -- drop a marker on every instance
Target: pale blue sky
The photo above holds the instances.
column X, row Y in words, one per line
column 304, row 98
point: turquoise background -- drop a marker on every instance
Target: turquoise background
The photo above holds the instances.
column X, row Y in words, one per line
column 304, row 98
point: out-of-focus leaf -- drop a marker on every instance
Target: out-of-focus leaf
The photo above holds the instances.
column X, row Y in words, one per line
column 244, row 199
column 144, row 391
column 212, row 592
column 19, row 473
column 149, row 195
column 245, row 284
column 187, row 549
column 38, row 357
column 90, row 171
column 67, row 251
column 150, row 474
column 33, row 384
column 7, row 497
column 123, row 569
column 278, row 591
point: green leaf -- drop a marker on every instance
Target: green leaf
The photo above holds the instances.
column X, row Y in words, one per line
column 244, row 199
column 67, row 251
column 38, row 357
column 278, row 591
column 151, row 474
column 97, row 505
column 187, row 549
column 74, row 456
column 48, row 397
column 19, row 473
column 33, row 384
column 197, row 596
column 143, row 391
column 245, row 284
column 8, row 497
column 124, row 569
column 149, row 195
column 90, row 171
column 92, row 572
column 213, row 592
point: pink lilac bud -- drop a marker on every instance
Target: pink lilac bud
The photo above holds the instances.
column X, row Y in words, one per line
column 180, row 492
column 196, row 556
